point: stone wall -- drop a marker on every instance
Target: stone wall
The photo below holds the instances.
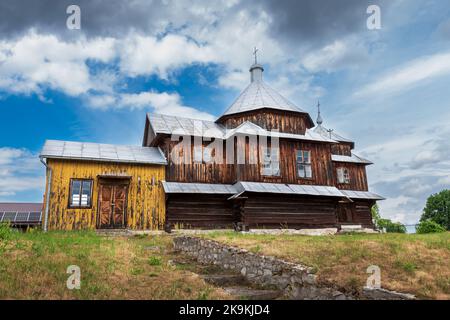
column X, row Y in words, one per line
column 297, row 281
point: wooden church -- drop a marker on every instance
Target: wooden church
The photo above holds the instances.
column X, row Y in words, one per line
column 262, row 164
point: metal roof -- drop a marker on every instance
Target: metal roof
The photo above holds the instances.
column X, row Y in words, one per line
column 162, row 123
column 333, row 135
column 246, row 186
column 209, row 188
column 165, row 124
column 288, row 189
column 361, row 195
column 20, row 206
column 55, row 149
column 352, row 159
column 259, row 95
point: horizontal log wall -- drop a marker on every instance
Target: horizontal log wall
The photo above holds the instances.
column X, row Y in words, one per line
column 209, row 211
column 362, row 213
column 285, row 211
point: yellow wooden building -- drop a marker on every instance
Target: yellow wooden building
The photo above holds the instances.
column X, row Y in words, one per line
column 101, row 186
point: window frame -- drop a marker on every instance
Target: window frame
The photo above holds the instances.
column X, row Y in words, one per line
column 297, row 164
column 70, row 206
column 344, row 170
column 271, row 162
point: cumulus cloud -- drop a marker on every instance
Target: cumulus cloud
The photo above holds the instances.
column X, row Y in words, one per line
column 20, row 170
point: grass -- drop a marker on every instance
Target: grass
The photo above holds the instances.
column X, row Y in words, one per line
column 418, row 264
column 33, row 266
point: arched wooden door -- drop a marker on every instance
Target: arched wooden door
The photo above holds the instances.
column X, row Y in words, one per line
column 112, row 205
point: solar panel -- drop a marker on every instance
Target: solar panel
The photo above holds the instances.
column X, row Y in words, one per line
column 34, row 216
column 1, row 216
column 9, row 216
column 21, row 217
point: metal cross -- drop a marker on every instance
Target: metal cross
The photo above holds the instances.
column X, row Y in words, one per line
column 254, row 53
column 330, row 131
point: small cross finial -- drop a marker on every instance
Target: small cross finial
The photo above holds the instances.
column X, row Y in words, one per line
column 330, row 131
column 255, row 50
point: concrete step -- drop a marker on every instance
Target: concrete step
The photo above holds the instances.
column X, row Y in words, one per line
column 224, row 279
column 253, row 294
column 113, row 232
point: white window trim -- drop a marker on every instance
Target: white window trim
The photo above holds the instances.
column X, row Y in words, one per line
column 307, row 173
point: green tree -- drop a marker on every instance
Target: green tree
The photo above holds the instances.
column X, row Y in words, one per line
column 437, row 209
column 429, row 226
column 386, row 224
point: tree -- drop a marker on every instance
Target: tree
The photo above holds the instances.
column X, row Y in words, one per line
column 386, row 224
column 429, row 226
column 437, row 209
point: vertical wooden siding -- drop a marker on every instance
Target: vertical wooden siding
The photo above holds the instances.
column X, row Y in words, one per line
column 271, row 120
column 145, row 204
column 358, row 177
column 322, row 167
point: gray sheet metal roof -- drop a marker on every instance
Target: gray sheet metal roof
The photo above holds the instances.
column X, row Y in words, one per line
column 352, row 159
column 246, row 186
column 352, row 194
column 209, row 188
column 56, row 149
column 288, row 188
column 259, row 95
column 166, row 124
column 162, row 123
column 333, row 135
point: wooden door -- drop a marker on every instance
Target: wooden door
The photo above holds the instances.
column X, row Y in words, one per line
column 112, row 206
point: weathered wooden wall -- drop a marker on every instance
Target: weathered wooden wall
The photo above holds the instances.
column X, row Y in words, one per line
column 200, row 211
column 358, row 176
column 342, row 148
column 145, row 206
column 322, row 168
column 289, row 211
column 283, row 121
column 360, row 212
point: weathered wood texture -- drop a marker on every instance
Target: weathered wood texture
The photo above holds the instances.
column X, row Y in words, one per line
column 269, row 119
column 358, row 176
column 357, row 212
column 199, row 211
column 342, row 148
column 322, row 168
column 288, row 211
column 145, row 202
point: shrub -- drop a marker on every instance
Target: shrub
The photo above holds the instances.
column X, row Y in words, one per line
column 429, row 226
column 391, row 227
column 154, row 261
column 5, row 231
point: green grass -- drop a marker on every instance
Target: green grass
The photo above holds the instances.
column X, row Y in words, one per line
column 33, row 266
column 415, row 263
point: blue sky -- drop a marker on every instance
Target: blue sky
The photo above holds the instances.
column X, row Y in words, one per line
column 387, row 89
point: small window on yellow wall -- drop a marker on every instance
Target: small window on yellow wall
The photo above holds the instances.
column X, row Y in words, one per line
column 343, row 175
column 80, row 193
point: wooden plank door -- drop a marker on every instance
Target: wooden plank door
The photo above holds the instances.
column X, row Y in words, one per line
column 345, row 213
column 112, row 206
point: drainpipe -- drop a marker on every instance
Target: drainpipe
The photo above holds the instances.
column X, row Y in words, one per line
column 48, row 188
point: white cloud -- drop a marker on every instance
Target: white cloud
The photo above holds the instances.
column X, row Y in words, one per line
column 35, row 62
column 337, row 55
column 20, row 170
column 164, row 103
column 408, row 75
